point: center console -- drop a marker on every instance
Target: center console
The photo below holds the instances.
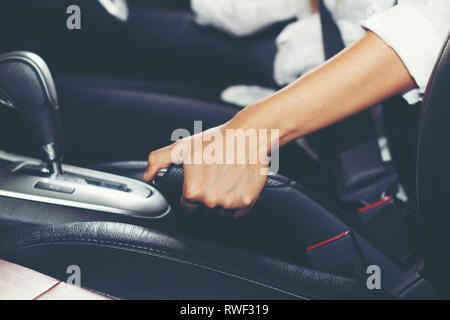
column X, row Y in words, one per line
column 26, row 86
column 29, row 179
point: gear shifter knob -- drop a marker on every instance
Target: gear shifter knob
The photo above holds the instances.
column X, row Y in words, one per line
column 27, row 86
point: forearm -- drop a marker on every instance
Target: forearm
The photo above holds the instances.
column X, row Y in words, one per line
column 361, row 76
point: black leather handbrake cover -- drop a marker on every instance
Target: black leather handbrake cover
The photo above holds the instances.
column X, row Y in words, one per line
column 171, row 183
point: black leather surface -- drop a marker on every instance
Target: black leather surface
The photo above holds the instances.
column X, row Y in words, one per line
column 286, row 216
column 132, row 262
column 128, row 261
column 433, row 172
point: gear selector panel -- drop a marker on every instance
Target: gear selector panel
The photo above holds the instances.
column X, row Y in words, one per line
column 29, row 179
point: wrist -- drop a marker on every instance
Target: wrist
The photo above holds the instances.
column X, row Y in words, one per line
column 251, row 121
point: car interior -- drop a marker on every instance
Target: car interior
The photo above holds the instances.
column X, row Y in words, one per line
column 78, row 119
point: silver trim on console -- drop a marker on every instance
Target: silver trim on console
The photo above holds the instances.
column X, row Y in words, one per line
column 134, row 198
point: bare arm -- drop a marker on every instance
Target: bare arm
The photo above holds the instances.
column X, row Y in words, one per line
column 362, row 75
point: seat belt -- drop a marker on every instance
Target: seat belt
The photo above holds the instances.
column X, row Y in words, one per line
column 365, row 183
column 354, row 155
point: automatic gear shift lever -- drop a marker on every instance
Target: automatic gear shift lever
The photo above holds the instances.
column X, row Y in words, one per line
column 27, row 86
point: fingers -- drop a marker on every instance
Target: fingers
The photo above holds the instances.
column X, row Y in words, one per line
column 202, row 201
column 225, row 189
column 189, row 205
column 196, row 207
column 242, row 212
column 157, row 160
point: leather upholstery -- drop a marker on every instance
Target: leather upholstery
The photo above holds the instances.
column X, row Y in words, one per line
column 433, row 171
column 132, row 262
column 287, row 215
column 19, row 283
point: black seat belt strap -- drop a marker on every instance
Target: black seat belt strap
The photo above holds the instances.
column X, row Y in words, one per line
column 355, row 156
column 332, row 38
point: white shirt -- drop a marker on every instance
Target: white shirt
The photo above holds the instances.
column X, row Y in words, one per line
column 415, row 29
column 244, row 17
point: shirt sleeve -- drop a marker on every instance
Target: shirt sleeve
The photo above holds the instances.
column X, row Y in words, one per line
column 416, row 30
column 245, row 17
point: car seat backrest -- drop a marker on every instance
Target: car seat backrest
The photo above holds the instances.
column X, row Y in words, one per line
column 432, row 180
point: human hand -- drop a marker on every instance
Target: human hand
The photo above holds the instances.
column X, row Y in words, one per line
column 217, row 173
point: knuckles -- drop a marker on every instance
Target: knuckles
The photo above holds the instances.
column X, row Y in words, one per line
column 227, row 204
column 247, row 200
column 211, row 200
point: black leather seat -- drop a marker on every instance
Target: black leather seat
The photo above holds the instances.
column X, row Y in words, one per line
column 127, row 261
column 116, row 257
column 432, row 175
column 131, row 262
